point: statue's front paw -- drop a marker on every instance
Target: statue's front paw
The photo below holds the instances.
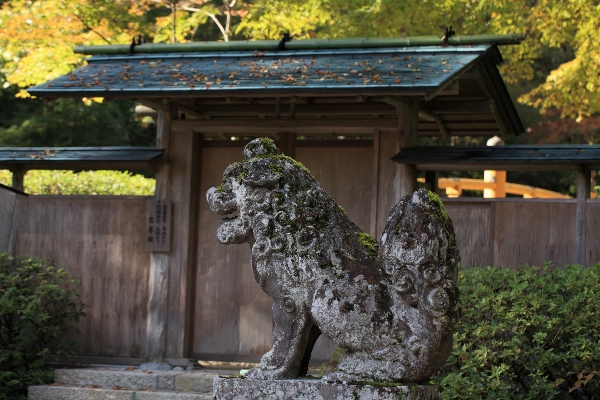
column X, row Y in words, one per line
column 255, row 373
column 269, row 374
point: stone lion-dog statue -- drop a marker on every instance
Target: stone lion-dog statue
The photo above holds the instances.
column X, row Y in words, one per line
column 391, row 306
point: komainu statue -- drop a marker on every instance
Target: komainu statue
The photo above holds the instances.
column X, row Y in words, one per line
column 391, row 306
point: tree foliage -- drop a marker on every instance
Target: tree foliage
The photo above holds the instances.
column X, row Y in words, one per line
column 560, row 53
column 37, row 37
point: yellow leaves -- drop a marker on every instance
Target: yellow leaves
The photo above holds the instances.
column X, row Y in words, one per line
column 22, row 94
column 37, row 37
column 90, row 101
column 572, row 87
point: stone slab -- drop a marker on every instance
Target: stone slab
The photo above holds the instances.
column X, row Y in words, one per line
column 190, row 381
column 44, row 392
column 313, row 389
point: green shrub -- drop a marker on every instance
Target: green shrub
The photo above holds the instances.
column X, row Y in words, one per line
column 529, row 333
column 38, row 306
column 84, row 183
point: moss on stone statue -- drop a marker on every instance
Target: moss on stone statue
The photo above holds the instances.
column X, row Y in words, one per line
column 276, row 169
column 268, row 145
column 241, row 176
column 435, row 199
column 368, row 243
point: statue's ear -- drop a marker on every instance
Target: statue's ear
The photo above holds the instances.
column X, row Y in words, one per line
column 260, row 175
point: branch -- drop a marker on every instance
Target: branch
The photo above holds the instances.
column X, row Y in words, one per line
column 223, row 31
column 92, row 29
column 228, row 9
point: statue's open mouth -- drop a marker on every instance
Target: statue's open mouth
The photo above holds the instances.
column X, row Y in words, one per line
column 233, row 216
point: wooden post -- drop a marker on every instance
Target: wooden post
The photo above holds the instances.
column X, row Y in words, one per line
column 288, row 144
column 156, row 324
column 172, row 273
column 9, row 202
column 431, row 179
column 18, row 179
column 396, row 180
column 496, row 177
column 375, row 182
column 583, row 193
column 185, row 153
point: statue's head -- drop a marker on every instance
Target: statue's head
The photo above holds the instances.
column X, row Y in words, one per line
column 259, row 192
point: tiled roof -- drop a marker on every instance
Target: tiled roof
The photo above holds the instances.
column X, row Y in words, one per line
column 92, row 158
column 513, row 157
column 420, row 70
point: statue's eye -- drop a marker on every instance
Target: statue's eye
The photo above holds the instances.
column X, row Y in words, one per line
column 404, row 283
column 432, row 275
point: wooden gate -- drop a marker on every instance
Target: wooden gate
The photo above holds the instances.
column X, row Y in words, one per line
column 232, row 316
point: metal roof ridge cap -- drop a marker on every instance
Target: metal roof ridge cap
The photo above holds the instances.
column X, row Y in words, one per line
column 223, row 54
column 310, row 43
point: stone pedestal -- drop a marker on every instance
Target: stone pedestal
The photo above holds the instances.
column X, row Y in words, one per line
column 314, row 389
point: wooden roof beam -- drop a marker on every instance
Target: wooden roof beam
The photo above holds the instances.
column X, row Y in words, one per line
column 298, row 126
column 424, row 113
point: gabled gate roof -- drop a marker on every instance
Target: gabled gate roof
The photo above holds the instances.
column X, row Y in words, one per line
column 459, row 87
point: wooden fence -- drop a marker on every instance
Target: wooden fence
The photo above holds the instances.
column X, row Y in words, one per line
column 100, row 241
column 511, row 232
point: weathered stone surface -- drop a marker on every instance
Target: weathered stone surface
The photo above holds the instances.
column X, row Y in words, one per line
column 156, row 366
column 186, row 381
column 312, row 389
column 77, row 393
column 391, row 306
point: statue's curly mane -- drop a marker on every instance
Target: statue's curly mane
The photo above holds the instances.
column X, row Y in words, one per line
column 290, row 213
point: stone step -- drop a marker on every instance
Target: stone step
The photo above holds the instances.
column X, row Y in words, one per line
column 191, row 381
column 127, row 383
column 48, row 392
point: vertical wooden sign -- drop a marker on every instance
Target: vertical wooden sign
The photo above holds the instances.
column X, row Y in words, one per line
column 158, row 226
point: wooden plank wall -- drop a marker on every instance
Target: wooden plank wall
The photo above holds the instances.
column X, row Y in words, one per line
column 472, row 221
column 511, row 232
column 100, row 241
column 533, row 232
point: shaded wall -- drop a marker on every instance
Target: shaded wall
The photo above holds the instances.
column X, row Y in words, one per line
column 100, row 241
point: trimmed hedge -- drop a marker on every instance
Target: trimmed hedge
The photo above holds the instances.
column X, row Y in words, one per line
column 528, row 333
column 38, row 305
column 84, row 183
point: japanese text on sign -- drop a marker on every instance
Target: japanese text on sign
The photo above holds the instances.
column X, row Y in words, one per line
column 158, row 226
